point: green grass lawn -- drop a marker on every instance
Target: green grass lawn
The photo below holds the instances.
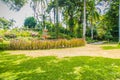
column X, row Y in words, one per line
column 109, row 47
column 20, row 67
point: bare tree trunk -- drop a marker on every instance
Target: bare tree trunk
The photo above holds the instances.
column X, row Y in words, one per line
column 119, row 21
column 92, row 19
column 54, row 15
column 92, row 34
column 84, row 22
column 57, row 20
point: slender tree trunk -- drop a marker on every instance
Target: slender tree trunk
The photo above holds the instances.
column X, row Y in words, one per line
column 57, row 20
column 92, row 27
column 119, row 20
column 92, row 34
column 54, row 15
column 84, row 21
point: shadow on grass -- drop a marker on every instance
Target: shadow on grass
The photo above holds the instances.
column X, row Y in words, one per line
column 20, row 67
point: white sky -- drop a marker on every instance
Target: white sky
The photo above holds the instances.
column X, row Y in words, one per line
column 19, row 16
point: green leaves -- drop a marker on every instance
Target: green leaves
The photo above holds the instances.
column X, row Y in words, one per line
column 30, row 22
column 15, row 4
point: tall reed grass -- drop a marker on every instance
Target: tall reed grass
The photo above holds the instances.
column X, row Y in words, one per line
column 19, row 44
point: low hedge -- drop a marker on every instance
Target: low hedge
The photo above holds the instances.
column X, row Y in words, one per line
column 40, row 44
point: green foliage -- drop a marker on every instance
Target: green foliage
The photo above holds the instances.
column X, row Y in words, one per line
column 89, row 40
column 15, row 4
column 24, row 34
column 4, row 45
column 10, row 35
column 4, row 23
column 109, row 22
column 34, row 44
column 108, row 36
column 20, row 67
column 1, row 40
column 30, row 22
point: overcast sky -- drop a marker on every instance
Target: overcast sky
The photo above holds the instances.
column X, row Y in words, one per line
column 19, row 16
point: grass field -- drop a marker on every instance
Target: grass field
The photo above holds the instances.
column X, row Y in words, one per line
column 109, row 47
column 20, row 67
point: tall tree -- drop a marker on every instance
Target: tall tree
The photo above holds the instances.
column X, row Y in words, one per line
column 39, row 7
column 93, row 16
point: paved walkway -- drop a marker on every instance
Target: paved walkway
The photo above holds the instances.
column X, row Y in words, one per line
column 88, row 50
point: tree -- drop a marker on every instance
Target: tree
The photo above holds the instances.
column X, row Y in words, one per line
column 15, row 4
column 93, row 16
column 30, row 22
column 39, row 7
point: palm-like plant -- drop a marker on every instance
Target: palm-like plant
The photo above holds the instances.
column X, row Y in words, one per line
column 93, row 15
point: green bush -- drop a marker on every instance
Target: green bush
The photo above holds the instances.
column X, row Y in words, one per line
column 1, row 40
column 10, row 35
column 61, row 36
column 20, row 44
column 24, row 34
column 4, row 46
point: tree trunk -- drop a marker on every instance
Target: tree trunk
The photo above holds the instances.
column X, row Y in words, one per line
column 119, row 21
column 57, row 20
column 84, row 22
column 54, row 15
column 92, row 34
column 92, row 25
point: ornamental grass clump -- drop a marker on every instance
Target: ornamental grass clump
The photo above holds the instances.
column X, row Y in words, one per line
column 19, row 44
column 34, row 44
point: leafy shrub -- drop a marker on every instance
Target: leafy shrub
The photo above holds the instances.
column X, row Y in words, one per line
column 89, row 40
column 10, row 35
column 1, row 40
column 61, row 36
column 24, row 34
column 4, row 46
column 30, row 22
column 20, row 44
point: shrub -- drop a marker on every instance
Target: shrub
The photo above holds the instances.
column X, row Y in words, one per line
column 4, row 46
column 20, row 44
column 24, row 34
column 1, row 40
column 10, row 35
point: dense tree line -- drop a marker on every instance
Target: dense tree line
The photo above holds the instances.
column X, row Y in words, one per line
column 80, row 17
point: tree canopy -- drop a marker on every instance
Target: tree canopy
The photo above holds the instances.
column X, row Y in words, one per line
column 30, row 22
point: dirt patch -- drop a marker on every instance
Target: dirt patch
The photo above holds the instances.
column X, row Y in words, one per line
column 88, row 50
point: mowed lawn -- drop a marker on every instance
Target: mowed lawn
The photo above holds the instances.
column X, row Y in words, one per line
column 21, row 67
